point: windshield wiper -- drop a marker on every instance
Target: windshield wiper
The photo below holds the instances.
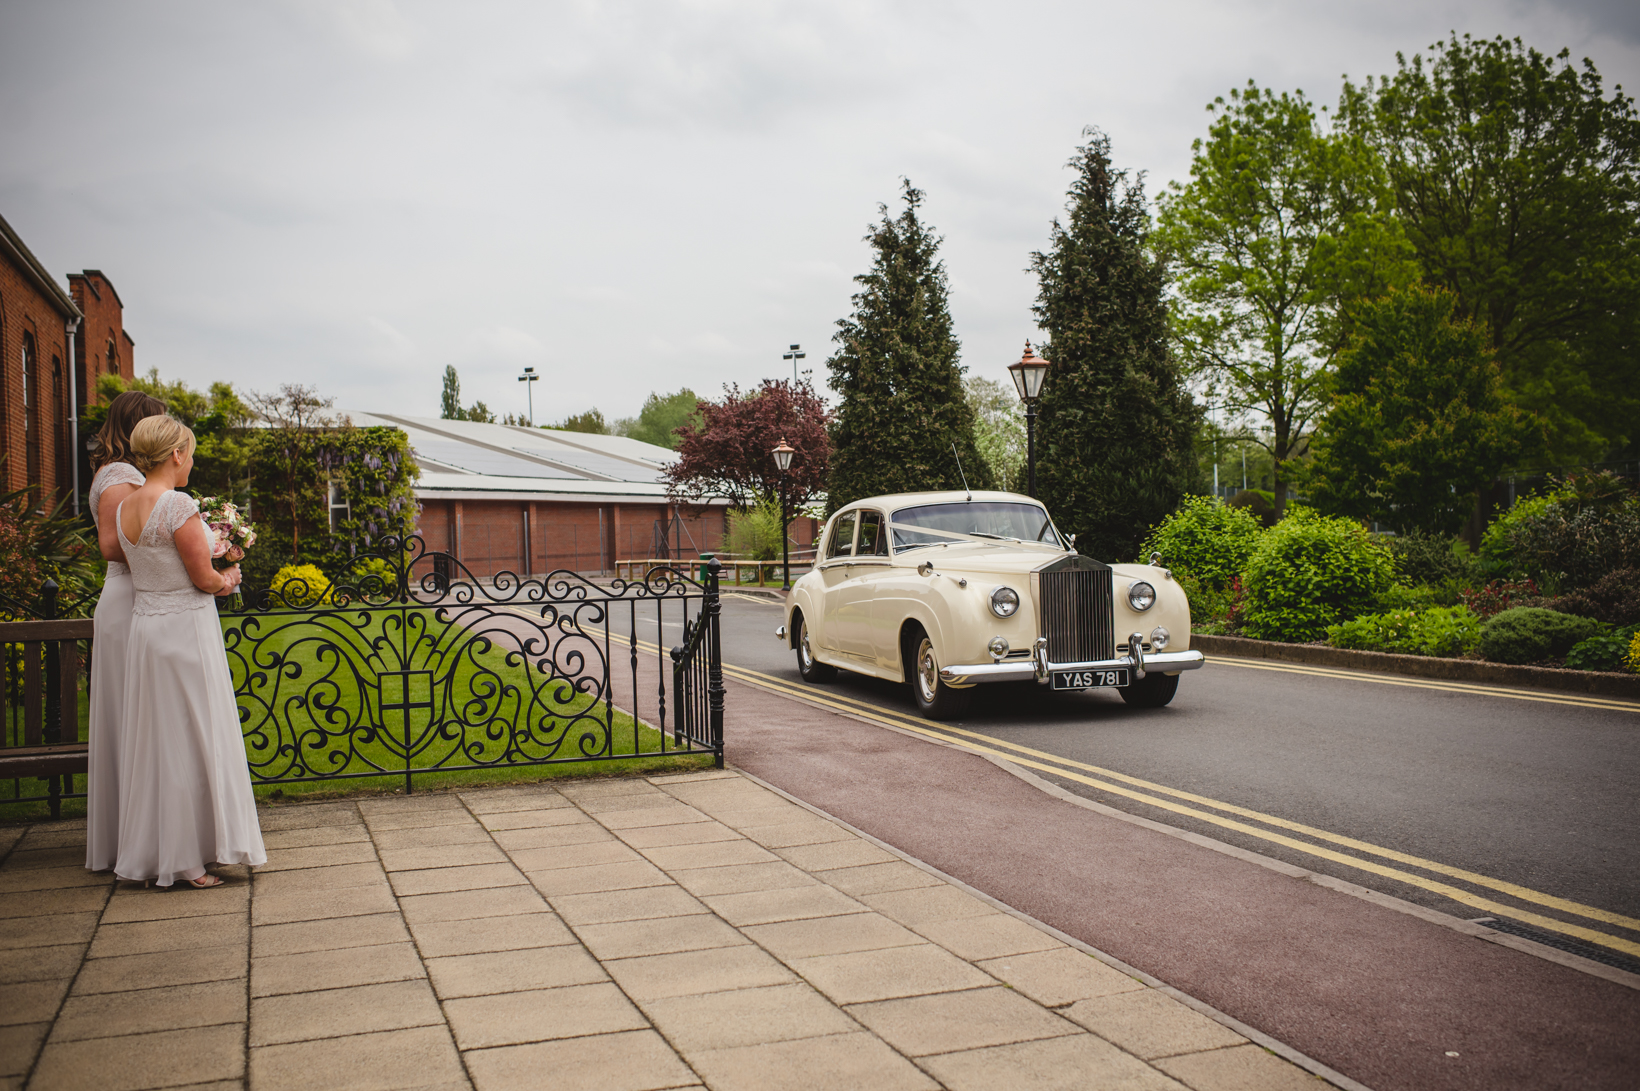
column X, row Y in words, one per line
column 998, row 537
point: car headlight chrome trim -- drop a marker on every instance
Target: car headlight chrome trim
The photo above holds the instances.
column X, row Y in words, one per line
column 1159, row 637
column 1005, row 602
column 1141, row 596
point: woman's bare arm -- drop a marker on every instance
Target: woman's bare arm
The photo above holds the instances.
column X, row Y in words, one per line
column 194, row 544
column 108, row 537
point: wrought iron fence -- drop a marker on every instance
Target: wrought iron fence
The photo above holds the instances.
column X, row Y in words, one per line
column 418, row 668
column 415, row 668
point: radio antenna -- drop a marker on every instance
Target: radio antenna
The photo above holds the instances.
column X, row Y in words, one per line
column 965, row 487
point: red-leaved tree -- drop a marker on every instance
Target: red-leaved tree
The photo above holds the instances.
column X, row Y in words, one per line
column 730, row 453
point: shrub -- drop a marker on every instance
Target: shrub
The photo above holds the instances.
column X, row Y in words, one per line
column 1260, row 503
column 1401, row 597
column 1633, row 659
column 755, row 533
column 1209, row 606
column 1588, row 526
column 1614, row 599
column 1311, row 571
column 1439, row 630
column 1530, row 634
column 1500, row 595
column 1431, row 559
column 1606, row 652
column 1205, row 539
column 301, row 585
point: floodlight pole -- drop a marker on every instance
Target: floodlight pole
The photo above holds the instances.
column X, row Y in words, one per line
column 794, row 355
column 528, row 377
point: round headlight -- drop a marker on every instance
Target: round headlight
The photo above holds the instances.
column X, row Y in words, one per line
column 1005, row 602
column 998, row 648
column 1141, row 596
column 1159, row 637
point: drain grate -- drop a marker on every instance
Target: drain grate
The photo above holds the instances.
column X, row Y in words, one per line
column 1591, row 951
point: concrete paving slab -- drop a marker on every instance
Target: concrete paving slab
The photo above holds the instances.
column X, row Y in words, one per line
column 513, row 971
column 545, row 837
column 890, row 973
column 745, row 1017
column 1239, row 1068
column 32, row 1002
column 310, row 856
column 174, row 1007
column 127, row 972
column 333, row 1013
column 1072, row 1063
column 833, row 935
column 328, row 935
column 646, row 903
column 948, row 1022
column 638, row 1060
column 1060, row 976
column 540, row 1015
column 440, row 939
column 629, row 939
column 24, row 932
column 304, row 837
column 317, row 970
column 445, row 880
column 991, row 936
column 1151, row 1024
column 654, row 977
column 143, row 1061
column 394, row 1060
column 843, row 1062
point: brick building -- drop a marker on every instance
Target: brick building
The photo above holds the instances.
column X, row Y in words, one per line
column 504, row 498
column 37, row 380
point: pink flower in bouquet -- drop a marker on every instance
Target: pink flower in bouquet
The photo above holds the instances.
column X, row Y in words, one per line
column 219, row 548
column 231, row 532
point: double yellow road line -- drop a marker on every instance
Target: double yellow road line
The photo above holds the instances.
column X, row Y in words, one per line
column 1361, row 855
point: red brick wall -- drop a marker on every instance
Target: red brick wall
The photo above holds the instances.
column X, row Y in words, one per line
column 25, row 310
column 102, row 345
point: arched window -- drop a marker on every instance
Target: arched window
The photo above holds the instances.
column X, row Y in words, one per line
column 31, row 398
column 112, row 358
column 59, row 425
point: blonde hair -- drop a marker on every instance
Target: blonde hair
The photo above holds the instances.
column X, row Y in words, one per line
column 154, row 439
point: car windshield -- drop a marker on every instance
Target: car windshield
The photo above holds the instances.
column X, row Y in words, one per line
column 936, row 523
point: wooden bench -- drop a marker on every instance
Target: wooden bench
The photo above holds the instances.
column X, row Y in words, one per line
column 51, row 703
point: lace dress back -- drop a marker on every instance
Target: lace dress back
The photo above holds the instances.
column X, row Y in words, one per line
column 115, row 473
column 157, row 573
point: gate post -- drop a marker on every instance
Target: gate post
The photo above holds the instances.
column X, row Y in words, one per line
column 52, row 730
column 714, row 659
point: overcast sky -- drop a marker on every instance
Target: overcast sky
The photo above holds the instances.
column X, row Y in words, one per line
column 627, row 196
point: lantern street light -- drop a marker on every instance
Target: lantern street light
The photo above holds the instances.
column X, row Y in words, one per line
column 1028, row 374
column 783, row 461
column 528, row 377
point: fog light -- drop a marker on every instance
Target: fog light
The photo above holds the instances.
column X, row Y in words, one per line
column 999, row 648
column 1159, row 638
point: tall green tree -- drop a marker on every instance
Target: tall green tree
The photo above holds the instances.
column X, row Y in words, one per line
column 896, row 371
column 1116, row 425
column 660, row 418
column 999, row 428
column 1518, row 181
column 1284, row 221
column 1418, row 421
column 450, row 400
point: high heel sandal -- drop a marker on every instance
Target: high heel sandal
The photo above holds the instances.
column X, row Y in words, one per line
column 205, row 881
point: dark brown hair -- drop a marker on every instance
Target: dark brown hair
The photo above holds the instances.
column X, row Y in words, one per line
column 114, row 441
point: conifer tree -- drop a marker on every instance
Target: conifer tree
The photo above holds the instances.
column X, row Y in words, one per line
column 896, row 368
column 1116, row 427
column 450, row 401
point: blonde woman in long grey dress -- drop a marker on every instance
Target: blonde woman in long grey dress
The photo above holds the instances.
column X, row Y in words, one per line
column 114, row 480
column 185, row 787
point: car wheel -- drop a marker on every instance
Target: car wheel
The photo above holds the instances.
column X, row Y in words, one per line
column 1152, row 691
column 935, row 700
column 812, row 670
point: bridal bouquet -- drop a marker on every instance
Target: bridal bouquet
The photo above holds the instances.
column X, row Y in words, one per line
column 231, row 532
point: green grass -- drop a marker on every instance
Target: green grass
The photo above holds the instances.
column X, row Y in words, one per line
column 320, row 672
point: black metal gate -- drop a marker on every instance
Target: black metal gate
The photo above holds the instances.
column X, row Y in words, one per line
column 416, row 668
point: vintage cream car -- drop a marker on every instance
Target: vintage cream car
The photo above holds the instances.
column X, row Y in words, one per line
column 947, row 590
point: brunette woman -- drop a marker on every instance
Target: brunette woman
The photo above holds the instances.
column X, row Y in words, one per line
column 115, row 479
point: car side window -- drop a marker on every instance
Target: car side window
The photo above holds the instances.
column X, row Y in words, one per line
column 873, row 540
column 841, row 542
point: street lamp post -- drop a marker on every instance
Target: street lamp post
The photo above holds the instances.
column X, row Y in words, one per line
column 1028, row 374
column 530, row 376
column 794, row 355
column 783, row 461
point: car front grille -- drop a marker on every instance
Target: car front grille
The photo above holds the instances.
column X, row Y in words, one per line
column 1076, row 615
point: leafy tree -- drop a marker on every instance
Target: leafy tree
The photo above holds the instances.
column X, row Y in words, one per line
column 1518, row 181
column 999, row 428
column 660, row 418
column 1418, row 421
column 897, row 372
column 450, row 403
column 219, row 419
column 1282, row 223
column 591, row 422
column 1116, row 426
column 730, row 452
column 293, row 415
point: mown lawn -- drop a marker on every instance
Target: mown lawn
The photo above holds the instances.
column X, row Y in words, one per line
column 317, row 684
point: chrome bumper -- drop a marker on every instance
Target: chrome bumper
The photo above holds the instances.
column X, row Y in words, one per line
column 1039, row 667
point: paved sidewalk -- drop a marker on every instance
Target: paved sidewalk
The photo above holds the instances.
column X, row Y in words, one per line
column 683, row 931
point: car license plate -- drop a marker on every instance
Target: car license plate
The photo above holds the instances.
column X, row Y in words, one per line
column 1089, row 679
